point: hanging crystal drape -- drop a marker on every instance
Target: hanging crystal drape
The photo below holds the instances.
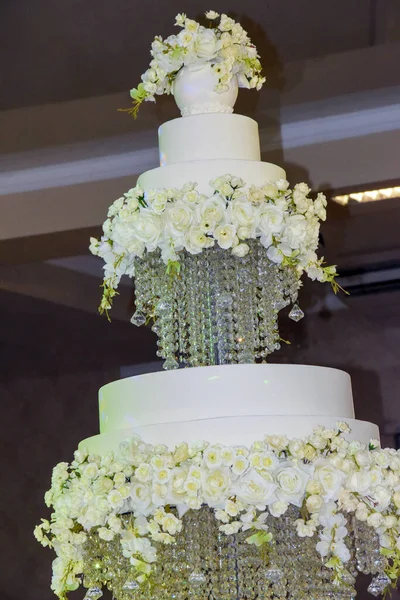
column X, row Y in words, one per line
column 219, row 309
column 205, row 564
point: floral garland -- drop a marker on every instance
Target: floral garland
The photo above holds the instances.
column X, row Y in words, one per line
column 325, row 475
column 224, row 44
column 285, row 221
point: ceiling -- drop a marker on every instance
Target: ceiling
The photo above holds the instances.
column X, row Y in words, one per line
column 56, row 51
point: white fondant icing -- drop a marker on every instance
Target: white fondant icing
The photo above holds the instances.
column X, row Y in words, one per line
column 229, row 431
column 229, row 404
column 203, row 171
column 194, row 91
column 224, row 391
column 208, row 136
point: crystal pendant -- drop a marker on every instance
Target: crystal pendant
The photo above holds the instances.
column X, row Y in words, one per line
column 93, row 593
column 296, row 314
column 130, row 585
column 170, row 363
column 138, row 319
column 273, row 574
column 378, row 584
column 197, row 578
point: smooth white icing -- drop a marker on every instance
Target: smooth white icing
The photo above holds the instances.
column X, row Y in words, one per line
column 194, row 91
column 208, row 136
column 224, row 391
column 203, row 171
column 230, row 404
column 228, row 431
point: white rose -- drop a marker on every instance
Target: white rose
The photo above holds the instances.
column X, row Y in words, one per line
column 314, row 487
column 212, row 457
column 115, row 499
column 225, row 236
column 242, row 213
column 226, row 23
column 148, row 228
column 240, row 465
column 270, row 190
column 314, row 503
column 291, row 482
column 330, row 478
column 212, row 211
column 277, row 442
column 390, row 522
column 241, row 250
column 271, row 219
column 231, row 508
column 301, row 189
column 278, row 508
column 375, row 520
column 105, row 534
column 296, row 448
column 178, row 217
column 304, row 529
column 196, row 240
column 256, row 194
column 362, row 458
column 157, row 200
column 359, row 481
column 319, row 206
column 206, row 44
column 295, row 231
column 141, row 497
column 254, row 489
column 216, row 484
column 282, row 184
column 171, row 524
column 381, row 497
column 211, row 14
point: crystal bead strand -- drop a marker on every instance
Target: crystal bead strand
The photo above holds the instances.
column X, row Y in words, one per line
column 205, row 316
column 194, row 335
column 165, row 311
column 225, row 282
column 207, row 312
column 181, row 310
column 244, row 310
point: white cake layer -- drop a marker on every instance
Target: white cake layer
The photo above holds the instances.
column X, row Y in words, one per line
column 229, row 431
column 203, row 171
column 208, row 136
column 196, row 394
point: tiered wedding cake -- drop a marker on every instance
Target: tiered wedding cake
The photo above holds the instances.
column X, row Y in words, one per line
column 232, row 479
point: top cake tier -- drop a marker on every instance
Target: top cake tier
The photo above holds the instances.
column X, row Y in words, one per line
column 208, row 137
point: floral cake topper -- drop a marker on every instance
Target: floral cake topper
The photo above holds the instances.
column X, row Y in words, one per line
column 224, row 44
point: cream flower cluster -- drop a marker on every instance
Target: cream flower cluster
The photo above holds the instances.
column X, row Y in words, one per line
column 224, row 44
column 286, row 222
column 325, row 475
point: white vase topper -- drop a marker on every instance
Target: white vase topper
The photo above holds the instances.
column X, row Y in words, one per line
column 194, row 90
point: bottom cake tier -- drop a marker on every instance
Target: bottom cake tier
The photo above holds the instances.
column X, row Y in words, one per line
column 228, row 405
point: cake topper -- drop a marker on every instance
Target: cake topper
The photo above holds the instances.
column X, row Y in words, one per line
column 201, row 66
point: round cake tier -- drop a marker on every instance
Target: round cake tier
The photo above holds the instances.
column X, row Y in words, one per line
column 230, row 405
column 203, row 171
column 224, row 391
column 209, row 136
